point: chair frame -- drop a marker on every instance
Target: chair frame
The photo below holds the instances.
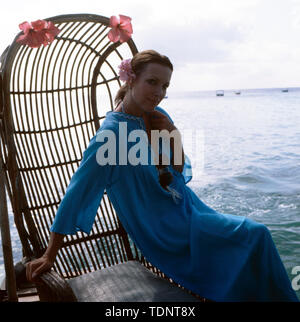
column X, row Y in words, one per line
column 52, row 285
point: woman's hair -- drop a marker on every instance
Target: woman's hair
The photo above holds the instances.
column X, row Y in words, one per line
column 138, row 64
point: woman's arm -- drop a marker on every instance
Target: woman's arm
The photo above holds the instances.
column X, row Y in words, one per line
column 45, row 262
column 160, row 121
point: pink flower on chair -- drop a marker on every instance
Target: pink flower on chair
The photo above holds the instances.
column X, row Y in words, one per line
column 121, row 28
column 37, row 33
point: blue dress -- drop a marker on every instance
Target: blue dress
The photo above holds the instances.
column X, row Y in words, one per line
column 221, row 257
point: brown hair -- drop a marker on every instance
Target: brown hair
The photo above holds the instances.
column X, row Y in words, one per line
column 138, row 63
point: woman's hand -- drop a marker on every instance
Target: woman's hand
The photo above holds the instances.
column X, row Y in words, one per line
column 38, row 266
column 160, row 121
column 44, row 263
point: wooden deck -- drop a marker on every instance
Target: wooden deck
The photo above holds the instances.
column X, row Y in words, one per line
column 25, row 295
column 28, row 295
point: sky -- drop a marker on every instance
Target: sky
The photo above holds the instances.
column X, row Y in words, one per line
column 213, row 44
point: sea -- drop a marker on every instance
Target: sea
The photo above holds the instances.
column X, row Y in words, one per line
column 244, row 148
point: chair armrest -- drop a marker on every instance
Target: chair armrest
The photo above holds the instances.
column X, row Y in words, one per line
column 52, row 287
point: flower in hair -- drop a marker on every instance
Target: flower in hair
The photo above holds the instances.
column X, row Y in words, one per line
column 37, row 33
column 121, row 28
column 125, row 70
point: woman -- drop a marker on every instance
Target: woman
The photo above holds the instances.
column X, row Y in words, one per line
column 218, row 256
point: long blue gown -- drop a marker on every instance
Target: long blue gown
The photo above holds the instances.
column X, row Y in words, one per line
column 219, row 256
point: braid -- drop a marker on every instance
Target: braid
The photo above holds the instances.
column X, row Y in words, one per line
column 165, row 176
column 138, row 64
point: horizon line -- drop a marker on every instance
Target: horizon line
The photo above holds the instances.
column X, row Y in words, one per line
column 234, row 89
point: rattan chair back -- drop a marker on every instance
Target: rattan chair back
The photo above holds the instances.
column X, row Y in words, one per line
column 54, row 100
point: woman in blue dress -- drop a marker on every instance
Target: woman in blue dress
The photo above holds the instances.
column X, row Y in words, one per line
column 221, row 257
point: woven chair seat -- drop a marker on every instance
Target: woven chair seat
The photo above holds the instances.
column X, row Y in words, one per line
column 127, row 282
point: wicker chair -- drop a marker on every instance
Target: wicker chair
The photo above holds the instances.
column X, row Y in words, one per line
column 54, row 100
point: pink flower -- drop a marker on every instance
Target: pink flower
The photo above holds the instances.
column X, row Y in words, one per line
column 121, row 28
column 125, row 71
column 37, row 33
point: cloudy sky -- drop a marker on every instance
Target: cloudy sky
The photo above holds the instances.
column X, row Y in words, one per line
column 213, row 44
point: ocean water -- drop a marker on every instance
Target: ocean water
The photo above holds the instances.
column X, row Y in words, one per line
column 248, row 163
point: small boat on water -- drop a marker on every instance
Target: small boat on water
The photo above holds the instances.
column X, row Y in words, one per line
column 285, row 90
column 219, row 93
column 237, row 92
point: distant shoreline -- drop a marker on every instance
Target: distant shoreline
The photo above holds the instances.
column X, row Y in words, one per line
column 172, row 93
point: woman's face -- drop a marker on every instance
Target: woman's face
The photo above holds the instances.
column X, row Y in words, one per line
column 150, row 87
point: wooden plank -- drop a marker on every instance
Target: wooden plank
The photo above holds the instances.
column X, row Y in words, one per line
column 29, row 298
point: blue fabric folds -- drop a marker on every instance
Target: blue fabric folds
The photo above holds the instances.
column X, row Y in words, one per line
column 219, row 256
